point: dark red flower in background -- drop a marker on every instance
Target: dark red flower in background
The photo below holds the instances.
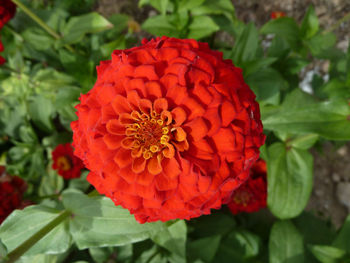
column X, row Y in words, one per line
column 11, row 193
column 277, row 14
column 169, row 130
column 7, row 11
column 64, row 161
column 251, row 196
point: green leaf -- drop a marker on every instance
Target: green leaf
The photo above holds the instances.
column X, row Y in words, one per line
column 3, row 251
column 286, row 28
column 309, row 26
column 38, row 38
column 40, row 258
column 304, row 142
column 327, row 254
column 289, row 180
column 67, row 95
column 246, row 45
column 214, row 224
column 160, row 5
column 204, row 248
column 107, row 49
column 101, row 254
column 285, row 244
column 256, row 65
column 41, row 111
column 293, row 65
column 314, row 229
column 80, row 183
column 320, row 43
column 267, row 84
column 152, row 255
column 342, row 240
column 216, row 7
column 97, row 222
column 56, row 138
column 238, row 246
column 160, row 26
column 173, row 238
column 201, row 26
column 22, row 224
column 78, row 26
column 27, row 134
column 300, row 114
column 279, row 48
column 190, row 5
column 51, row 183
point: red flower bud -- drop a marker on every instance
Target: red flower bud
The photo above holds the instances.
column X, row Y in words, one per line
column 67, row 165
column 277, row 14
column 251, row 196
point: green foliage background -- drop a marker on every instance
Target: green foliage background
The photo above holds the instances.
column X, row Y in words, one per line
column 41, row 83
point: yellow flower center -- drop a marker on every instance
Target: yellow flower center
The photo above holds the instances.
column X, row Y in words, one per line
column 148, row 135
column 242, row 197
column 64, row 163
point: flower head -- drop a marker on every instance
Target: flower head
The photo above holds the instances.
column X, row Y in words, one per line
column 169, row 130
column 251, row 196
column 11, row 192
column 7, row 11
column 64, row 161
column 277, row 14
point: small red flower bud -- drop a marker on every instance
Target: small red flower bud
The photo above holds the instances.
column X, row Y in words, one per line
column 251, row 196
column 277, row 14
column 67, row 165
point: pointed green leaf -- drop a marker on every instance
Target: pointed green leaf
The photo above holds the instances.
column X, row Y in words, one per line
column 327, row 254
column 310, row 25
column 285, row 244
column 201, row 26
column 204, row 248
column 342, row 240
column 78, row 26
column 97, row 222
column 289, row 180
column 22, row 224
column 286, row 28
column 173, row 238
column 41, row 111
column 300, row 114
column 160, row 26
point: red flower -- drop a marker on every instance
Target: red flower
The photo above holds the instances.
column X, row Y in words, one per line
column 7, row 11
column 251, row 196
column 169, row 130
column 64, row 161
column 277, row 14
column 11, row 192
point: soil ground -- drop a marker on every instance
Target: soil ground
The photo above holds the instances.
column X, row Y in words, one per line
column 331, row 193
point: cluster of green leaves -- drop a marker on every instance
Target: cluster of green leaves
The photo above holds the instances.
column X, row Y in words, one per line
column 187, row 18
column 46, row 73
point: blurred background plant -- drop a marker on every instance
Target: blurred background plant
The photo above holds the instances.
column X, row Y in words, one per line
column 52, row 49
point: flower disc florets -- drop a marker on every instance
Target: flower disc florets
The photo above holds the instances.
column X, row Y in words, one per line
column 169, row 130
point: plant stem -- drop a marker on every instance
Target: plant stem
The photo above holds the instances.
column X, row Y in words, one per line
column 26, row 245
column 40, row 22
column 338, row 23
